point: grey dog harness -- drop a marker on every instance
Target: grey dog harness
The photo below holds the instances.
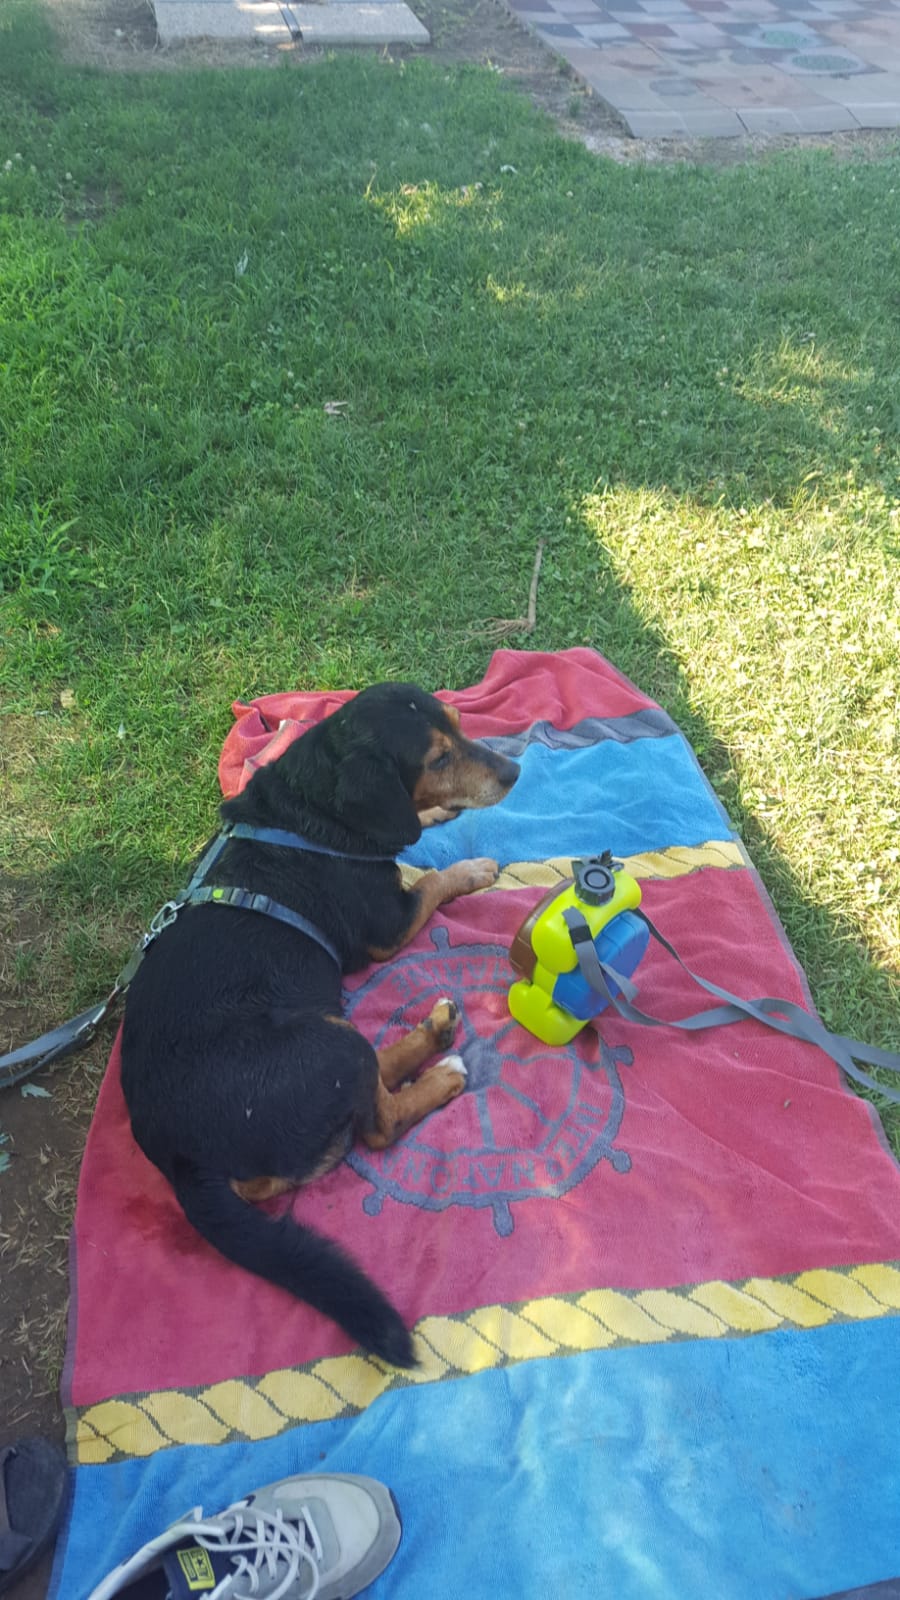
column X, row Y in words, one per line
column 79, row 1031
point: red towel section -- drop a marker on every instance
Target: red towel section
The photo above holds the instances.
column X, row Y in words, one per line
column 520, row 687
column 656, row 1159
column 644, row 1159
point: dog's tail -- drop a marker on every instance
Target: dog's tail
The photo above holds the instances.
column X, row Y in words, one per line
column 296, row 1258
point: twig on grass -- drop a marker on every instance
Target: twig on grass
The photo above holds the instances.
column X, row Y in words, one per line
column 499, row 627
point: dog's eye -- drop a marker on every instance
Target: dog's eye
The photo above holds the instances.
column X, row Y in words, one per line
column 440, row 761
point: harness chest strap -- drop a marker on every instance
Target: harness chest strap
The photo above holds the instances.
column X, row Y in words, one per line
column 244, row 900
column 199, row 893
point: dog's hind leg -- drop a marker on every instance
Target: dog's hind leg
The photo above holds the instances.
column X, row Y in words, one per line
column 395, row 1113
column 398, row 1061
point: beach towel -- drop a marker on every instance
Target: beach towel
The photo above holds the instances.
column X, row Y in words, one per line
column 654, row 1277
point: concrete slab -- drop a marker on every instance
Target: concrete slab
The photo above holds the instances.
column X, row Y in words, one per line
column 620, row 90
column 768, row 119
column 349, row 22
column 655, row 124
column 746, row 90
column 876, row 88
column 721, row 124
column 633, row 57
column 871, row 115
column 377, row 22
column 825, row 119
column 177, row 21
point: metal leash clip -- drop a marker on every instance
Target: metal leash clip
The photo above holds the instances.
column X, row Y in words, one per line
column 164, row 918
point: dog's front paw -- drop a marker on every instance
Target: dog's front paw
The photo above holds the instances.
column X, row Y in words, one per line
column 442, row 1022
column 446, row 1079
column 477, row 874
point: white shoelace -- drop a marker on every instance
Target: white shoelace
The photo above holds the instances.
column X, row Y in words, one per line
column 270, row 1540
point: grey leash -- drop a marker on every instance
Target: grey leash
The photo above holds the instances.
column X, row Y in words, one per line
column 782, row 1015
column 72, row 1035
column 78, row 1032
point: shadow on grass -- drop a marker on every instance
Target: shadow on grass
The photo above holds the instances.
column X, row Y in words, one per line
column 508, row 325
column 70, row 962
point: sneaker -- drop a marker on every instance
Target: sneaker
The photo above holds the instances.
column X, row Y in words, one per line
column 322, row 1537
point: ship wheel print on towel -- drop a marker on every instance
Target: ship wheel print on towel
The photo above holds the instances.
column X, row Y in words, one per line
column 533, row 1121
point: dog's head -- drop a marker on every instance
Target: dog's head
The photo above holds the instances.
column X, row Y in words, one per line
column 394, row 752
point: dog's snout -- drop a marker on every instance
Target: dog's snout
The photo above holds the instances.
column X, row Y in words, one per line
column 503, row 771
column 508, row 772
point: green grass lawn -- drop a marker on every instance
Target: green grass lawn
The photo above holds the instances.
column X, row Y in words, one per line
column 682, row 379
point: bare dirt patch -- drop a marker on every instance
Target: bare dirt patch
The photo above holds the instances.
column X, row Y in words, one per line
column 43, row 1138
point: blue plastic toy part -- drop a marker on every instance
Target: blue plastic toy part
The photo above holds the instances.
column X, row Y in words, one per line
column 621, row 944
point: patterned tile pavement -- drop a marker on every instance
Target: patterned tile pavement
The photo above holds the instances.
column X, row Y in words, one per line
column 713, row 68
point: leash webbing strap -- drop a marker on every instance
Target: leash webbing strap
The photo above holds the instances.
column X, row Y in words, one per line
column 72, row 1035
column 782, row 1015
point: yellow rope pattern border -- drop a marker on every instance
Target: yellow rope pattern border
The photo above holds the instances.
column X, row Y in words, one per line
column 476, row 1341
column 675, row 862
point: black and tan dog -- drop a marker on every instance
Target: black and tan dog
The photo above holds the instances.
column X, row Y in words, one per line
column 241, row 1076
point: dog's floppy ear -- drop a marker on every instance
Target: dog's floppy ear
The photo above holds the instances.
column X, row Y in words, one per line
column 371, row 799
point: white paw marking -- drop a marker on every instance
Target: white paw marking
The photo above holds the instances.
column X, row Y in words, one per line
column 457, row 1063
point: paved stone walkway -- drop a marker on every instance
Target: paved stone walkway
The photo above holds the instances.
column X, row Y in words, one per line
column 671, row 68
column 707, row 68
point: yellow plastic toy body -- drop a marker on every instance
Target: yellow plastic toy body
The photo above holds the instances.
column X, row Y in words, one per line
column 531, row 999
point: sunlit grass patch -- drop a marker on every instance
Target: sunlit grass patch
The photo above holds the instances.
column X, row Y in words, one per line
column 786, row 625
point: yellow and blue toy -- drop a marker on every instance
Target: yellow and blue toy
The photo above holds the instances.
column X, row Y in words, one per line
column 551, row 997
